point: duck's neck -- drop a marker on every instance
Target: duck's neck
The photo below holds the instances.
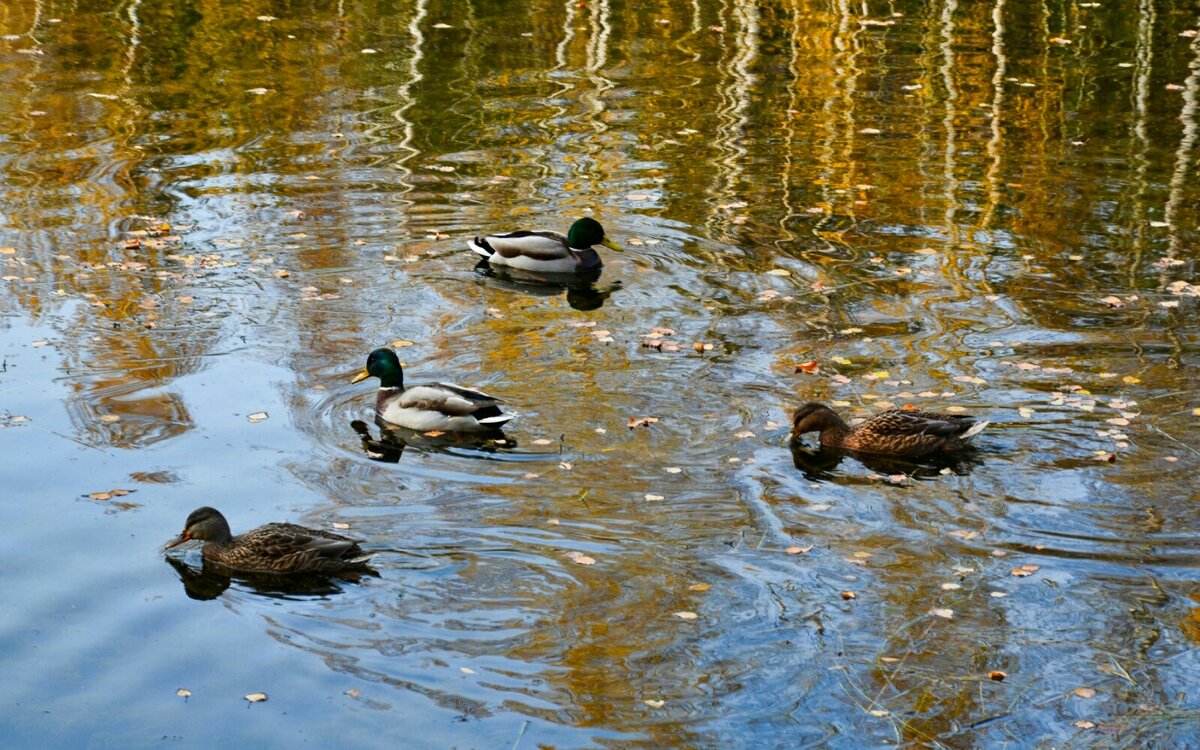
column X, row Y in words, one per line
column 834, row 429
column 393, row 379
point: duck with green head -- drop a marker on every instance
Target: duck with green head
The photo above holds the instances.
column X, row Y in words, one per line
column 545, row 251
column 432, row 406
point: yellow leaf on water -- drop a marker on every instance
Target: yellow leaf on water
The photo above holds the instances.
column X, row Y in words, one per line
column 685, row 615
column 256, row 697
column 1130, row 379
column 401, row 343
column 700, row 587
column 1084, row 692
column 183, row 693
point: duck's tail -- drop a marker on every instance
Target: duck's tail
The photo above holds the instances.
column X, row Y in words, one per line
column 974, row 430
column 480, row 246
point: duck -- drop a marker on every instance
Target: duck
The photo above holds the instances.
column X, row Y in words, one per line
column 443, row 407
column 901, row 433
column 545, row 251
column 273, row 548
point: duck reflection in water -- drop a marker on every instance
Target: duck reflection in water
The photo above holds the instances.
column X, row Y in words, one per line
column 581, row 288
column 819, row 464
column 393, row 439
column 210, row 581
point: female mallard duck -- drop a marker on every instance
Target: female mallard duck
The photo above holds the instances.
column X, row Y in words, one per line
column 434, row 406
column 274, row 548
column 908, row 433
column 547, row 252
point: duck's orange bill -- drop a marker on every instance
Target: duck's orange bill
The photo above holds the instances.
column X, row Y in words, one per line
column 176, row 542
column 361, row 377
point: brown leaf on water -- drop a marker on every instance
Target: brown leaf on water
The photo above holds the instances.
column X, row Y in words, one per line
column 1084, row 692
column 700, row 587
column 581, row 559
column 433, row 433
column 352, row 693
column 997, row 675
column 401, row 343
column 1022, row 571
column 256, row 697
column 810, row 367
column 641, row 421
column 700, row 346
column 1084, row 724
column 795, row 550
column 100, row 495
column 848, row 595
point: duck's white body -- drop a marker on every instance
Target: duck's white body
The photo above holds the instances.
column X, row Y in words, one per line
column 539, row 252
column 440, row 406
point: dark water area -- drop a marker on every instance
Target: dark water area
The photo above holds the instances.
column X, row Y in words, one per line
column 210, row 212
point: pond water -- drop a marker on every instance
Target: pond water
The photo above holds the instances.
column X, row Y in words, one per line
column 210, row 212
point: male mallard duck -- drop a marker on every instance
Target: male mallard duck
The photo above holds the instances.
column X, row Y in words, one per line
column 898, row 432
column 273, row 548
column 433, row 406
column 547, row 252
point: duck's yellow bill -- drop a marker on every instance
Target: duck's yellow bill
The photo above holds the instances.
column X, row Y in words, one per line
column 611, row 245
column 361, row 377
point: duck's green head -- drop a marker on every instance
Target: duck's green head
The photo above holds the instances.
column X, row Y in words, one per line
column 586, row 233
column 385, row 365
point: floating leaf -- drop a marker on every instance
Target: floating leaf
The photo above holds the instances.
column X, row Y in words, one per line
column 1084, row 692
column 433, row 433
column 700, row 587
column 110, row 418
column 673, row 470
column 1084, row 724
column 1022, row 571
column 810, row 367
column 353, row 693
column 685, row 615
column 641, row 421
column 779, row 272
column 339, row 525
column 946, row 614
column 848, row 595
column 652, row 703
column 581, row 559
column 997, row 675
column 184, row 693
column 795, row 550
column 653, row 498
column 401, row 343
column 542, row 441
column 257, row 417
column 256, row 697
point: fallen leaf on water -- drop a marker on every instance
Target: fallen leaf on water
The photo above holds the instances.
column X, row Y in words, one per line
column 1084, row 724
column 581, row 559
column 257, row 416
column 652, row 703
column 257, row 91
column 879, row 713
column 743, row 434
column 339, row 525
column 466, row 670
column 674, row 470
column 1119, row 421
column 110, row 418
column 352, row 693
column 401, row 343
column 685, row 615
column 542, row 441
column 848, row 595
column 700, row 587
column 1022, row 571
column 947, row 614
column 810, row 367
column 565, row 466
column 700, row 346
column 183, row 693
column 779, row 272
column 998, row 594
column 794, row 550
column 997, row 675
column 653, row 498
column 1130, row 379
column 433, row 433
column 641, row 421
column 256, row 697
column 1196, row 412
column 951, row 586
column 1084, row 692
column 8, row 250
column 1025, row 412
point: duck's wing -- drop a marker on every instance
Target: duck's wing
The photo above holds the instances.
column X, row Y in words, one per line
column 915, row 422
column 447, row 398
column 540, row 246
column 289, row 547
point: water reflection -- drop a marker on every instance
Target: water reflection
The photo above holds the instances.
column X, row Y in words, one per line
column 820, row 464
column 210, row 581
column 393, row 440
column 581, row 289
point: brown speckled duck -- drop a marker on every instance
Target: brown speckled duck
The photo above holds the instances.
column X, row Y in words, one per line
column 908, row 433
column 273, row 548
